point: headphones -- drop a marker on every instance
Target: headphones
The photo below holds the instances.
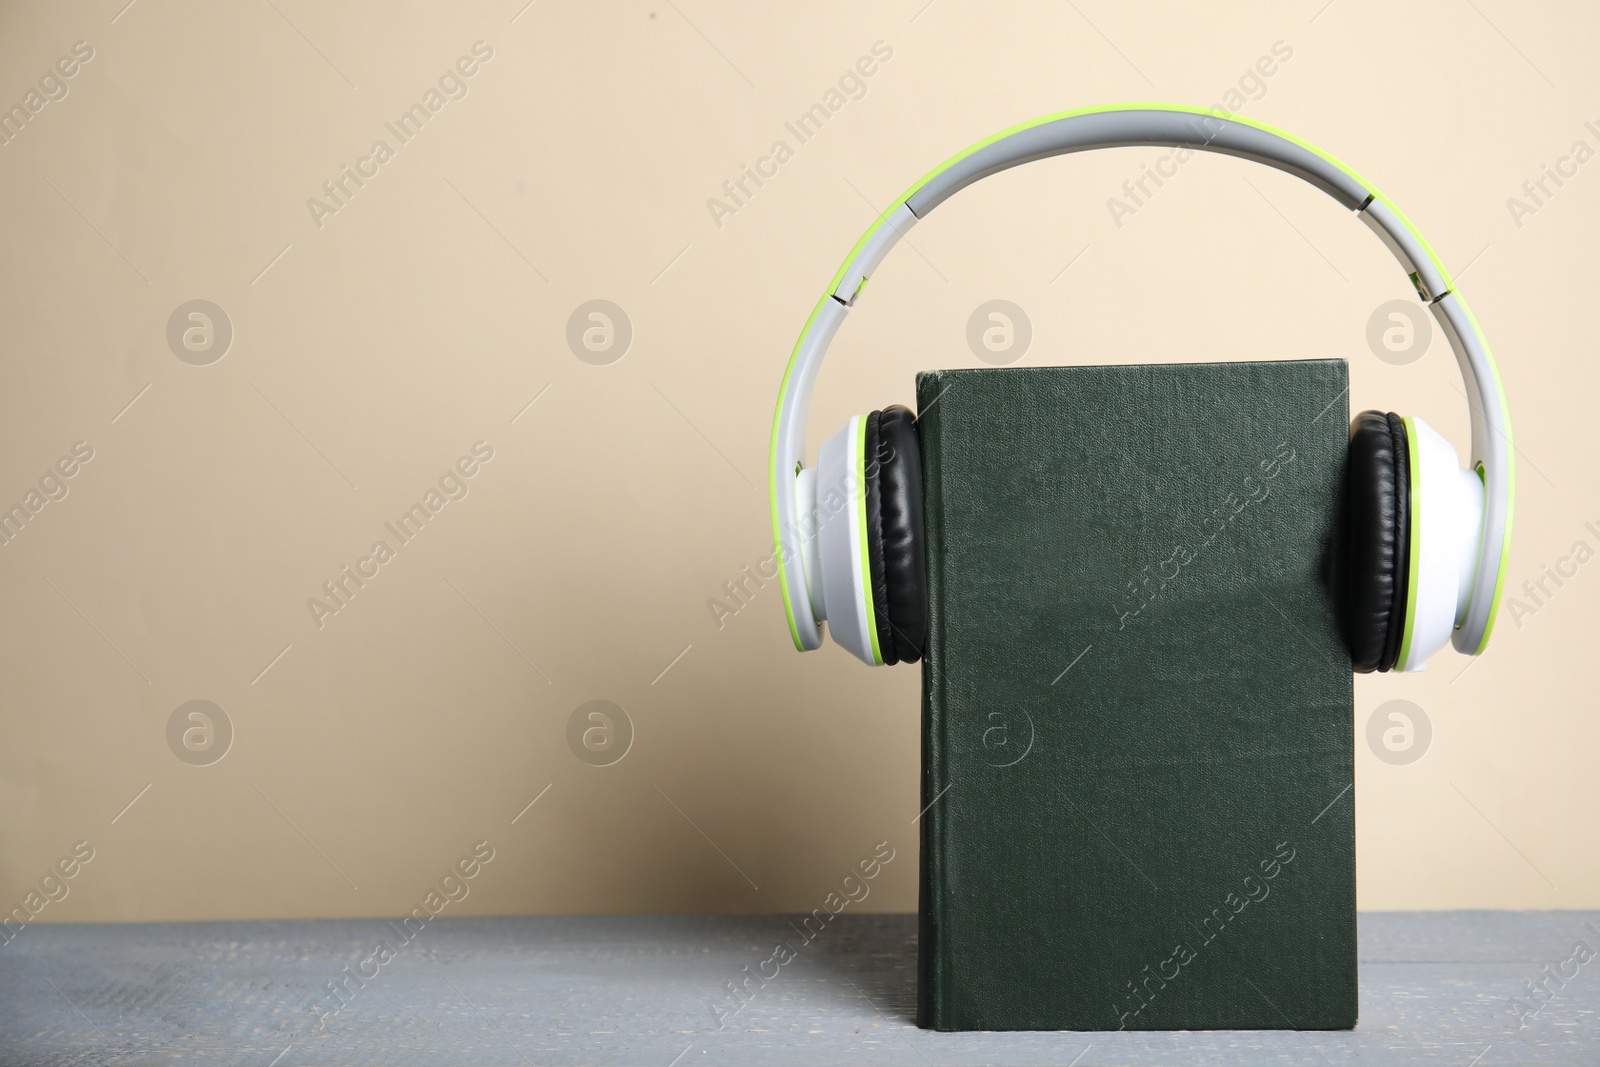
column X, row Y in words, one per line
column 1429, row 541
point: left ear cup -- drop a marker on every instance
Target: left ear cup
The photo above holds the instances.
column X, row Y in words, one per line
column 834, row 506
column 863, row 508
column 892, row 476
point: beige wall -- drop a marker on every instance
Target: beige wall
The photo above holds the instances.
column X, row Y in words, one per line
column 371, row 752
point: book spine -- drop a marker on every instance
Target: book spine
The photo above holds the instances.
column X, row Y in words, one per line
column 930, row 906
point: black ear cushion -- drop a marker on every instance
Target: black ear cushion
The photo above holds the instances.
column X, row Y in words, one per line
column 873, row 490
column 895, row 552
column 1380, row 539
column 1402, row 536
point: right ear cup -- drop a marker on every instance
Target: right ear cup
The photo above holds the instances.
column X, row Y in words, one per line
column 892, row 477
column 1379, row 539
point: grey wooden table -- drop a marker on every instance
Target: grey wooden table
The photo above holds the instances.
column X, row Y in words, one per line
column 1436, row 988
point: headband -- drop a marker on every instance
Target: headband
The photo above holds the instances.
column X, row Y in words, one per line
column 1165, row 125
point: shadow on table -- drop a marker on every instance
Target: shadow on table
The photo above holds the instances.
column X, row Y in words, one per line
column 871, row 958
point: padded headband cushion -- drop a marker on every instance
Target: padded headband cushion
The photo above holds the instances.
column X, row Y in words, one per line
column 895, row 552
column 1380, row 539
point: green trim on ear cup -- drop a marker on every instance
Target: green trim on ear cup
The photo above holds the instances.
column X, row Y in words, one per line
column 861, row 535
column 1414, row 552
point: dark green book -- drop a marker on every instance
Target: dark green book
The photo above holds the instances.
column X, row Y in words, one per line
column 1138, row 760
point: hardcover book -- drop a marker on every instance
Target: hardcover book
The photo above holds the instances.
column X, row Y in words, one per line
column 1138, row 760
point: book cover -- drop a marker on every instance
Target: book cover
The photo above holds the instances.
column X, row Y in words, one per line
column 1138, row 761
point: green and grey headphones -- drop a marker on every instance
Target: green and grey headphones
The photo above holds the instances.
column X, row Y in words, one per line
column 1428, row 540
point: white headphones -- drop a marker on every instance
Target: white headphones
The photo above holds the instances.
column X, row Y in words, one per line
column 1429, row 540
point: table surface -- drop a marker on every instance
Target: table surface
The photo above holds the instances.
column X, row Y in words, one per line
column 1436, row 988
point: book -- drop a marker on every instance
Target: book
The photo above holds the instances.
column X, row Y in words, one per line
column 1138, row 736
